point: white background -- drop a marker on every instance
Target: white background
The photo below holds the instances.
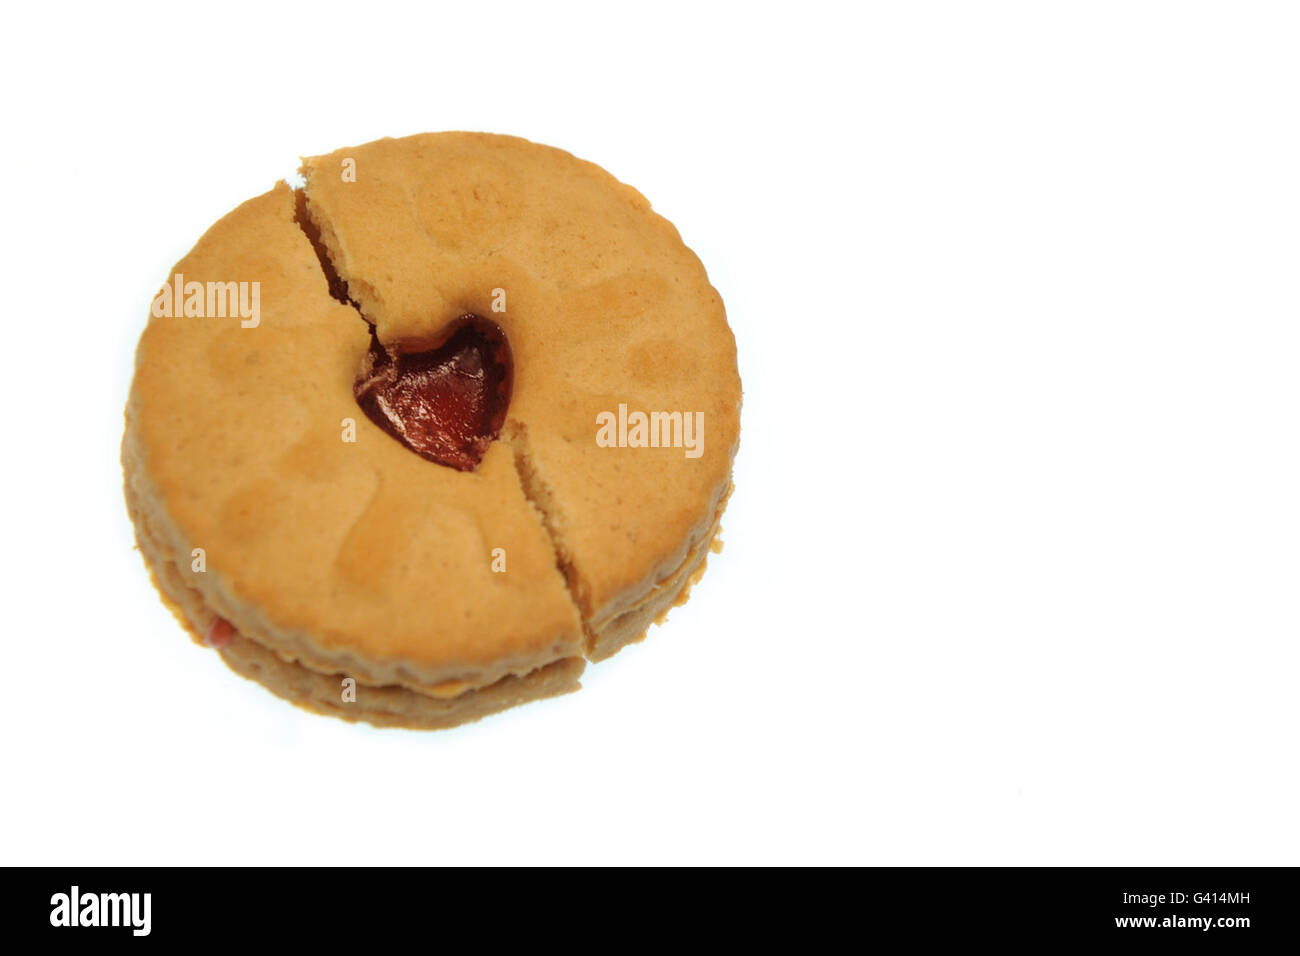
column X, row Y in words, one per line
column 1011, row 568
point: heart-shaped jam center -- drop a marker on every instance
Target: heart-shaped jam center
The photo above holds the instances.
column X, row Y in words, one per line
column 447, row 404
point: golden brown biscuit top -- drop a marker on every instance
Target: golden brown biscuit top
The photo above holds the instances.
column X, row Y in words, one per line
column 359, row 555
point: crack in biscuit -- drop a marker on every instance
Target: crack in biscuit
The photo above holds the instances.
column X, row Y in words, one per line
column 302, row 218
column 513, row 434
column 538, row 493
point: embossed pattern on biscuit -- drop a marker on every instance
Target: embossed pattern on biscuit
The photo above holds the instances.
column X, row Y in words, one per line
column 354, row 556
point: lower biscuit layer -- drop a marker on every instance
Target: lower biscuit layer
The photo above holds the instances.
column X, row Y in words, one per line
column 632, row 625
column 395, row 706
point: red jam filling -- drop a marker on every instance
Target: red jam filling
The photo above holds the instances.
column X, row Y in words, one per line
column 447, row 404
column 219, row 633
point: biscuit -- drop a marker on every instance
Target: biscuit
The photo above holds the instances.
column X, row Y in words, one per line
column 454, row 544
